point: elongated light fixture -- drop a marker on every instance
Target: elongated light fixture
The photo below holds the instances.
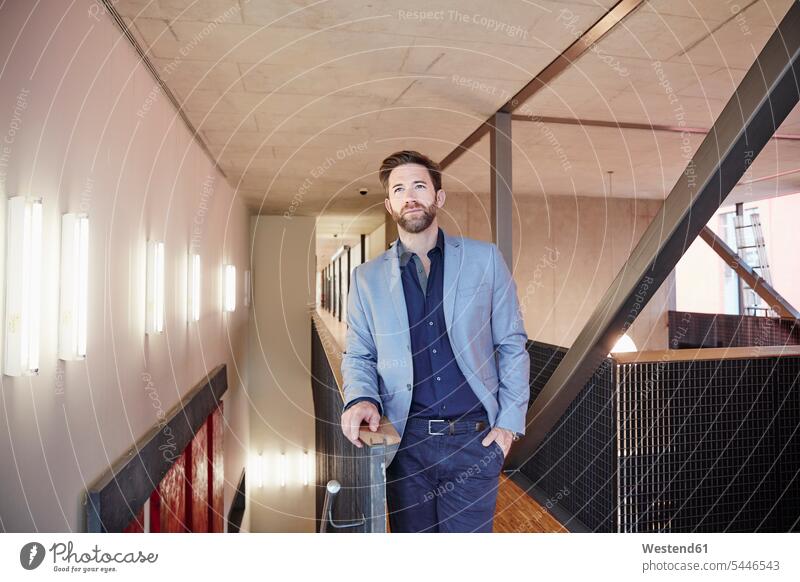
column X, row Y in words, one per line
column 247, row 296
column 155, row 287
column 260, row 470
column 23, row 285
column 194, row 287
column 229, row 282
column 74, row 286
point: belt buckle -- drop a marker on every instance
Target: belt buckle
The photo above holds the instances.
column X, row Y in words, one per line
column 429, row 427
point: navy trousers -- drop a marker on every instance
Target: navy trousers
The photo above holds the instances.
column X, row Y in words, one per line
column 443, row 483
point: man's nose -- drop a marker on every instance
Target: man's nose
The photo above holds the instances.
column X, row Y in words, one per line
column 410, row 197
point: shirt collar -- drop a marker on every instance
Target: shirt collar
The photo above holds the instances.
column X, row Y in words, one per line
column 405, row 254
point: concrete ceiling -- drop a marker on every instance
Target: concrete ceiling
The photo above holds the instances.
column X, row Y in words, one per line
column 300, row 101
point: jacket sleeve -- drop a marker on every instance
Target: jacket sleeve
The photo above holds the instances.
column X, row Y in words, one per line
column 510, row 339
column 360, row 358
column 368, row 399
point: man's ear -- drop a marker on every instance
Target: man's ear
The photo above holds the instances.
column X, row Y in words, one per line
column 440, row 196
column 387, row 205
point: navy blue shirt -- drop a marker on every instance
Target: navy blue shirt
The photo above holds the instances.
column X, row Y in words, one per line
column 440, row 388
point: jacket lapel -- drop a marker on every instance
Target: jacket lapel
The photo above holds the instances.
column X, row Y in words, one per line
column 452, row 268
column 391, row 266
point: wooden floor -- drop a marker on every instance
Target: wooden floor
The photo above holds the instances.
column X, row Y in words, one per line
column 517, row 512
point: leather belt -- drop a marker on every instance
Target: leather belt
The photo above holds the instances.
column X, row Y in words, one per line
column 443, row 427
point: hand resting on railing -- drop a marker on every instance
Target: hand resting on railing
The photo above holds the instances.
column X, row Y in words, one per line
column 352, row 418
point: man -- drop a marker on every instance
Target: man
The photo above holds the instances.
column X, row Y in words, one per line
column 425, row 319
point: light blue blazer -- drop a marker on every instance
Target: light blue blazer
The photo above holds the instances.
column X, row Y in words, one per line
column 483, row 321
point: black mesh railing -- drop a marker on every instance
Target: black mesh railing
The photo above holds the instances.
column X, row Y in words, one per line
column 700, row 445
column 675, row 446
column 688, row 329
column 575, row 461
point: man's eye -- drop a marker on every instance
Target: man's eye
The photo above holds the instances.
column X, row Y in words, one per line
column 420, row 185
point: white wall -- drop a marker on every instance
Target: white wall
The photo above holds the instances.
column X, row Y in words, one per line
column 90, row 134
column 376, row 242
column 781, row 238
column 282, row 407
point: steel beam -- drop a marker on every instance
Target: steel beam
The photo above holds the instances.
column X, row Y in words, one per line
column 500, row 171
column 766, row 95
column 557, row 66
column 651, row 127
column 746, row 273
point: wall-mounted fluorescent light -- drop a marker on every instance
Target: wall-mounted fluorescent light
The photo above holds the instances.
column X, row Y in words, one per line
column 194, row 287
column 283, row 469
column 155, row 287
column 74, row 286
column 247, row 296
column 339, row 252
column 23, row 285
column 229, row 284
column 260, row 470
column 306, row 468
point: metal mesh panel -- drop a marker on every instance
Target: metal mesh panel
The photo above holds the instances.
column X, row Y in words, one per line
column 708, row 330
column 700, row 445
column 710, row 446
column 787, row 401
column 577, row 457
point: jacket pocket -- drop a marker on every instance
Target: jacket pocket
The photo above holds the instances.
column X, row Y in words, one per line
column 499, row 450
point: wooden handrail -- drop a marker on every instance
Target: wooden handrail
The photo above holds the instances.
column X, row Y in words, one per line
column 687, row 355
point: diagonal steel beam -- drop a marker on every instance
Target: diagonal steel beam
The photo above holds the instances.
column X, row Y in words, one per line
column 756, row 282
column 766, row 95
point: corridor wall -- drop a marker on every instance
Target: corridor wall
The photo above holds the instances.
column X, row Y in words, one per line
column 85, row 126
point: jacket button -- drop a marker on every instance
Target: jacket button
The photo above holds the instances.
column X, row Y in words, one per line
column 408, row 386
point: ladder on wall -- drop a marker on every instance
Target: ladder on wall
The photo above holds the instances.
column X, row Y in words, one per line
column 752, row 249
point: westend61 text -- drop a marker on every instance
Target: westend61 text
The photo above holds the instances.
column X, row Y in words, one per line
column 670, row 549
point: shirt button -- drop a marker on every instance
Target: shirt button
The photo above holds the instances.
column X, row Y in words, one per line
column 434, row 350
column 430, row 323
column 408, row 386
column 438, row 378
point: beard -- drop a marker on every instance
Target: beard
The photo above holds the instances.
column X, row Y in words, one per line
column 415, row 222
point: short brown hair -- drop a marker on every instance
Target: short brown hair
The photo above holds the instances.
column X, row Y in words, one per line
column 410, row 157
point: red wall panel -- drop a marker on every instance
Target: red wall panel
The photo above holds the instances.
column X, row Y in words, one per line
column 216, row 470
column 190, row 496
column 155, row 511
column 137, row 523
column 197, row 481
column 172, row 492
